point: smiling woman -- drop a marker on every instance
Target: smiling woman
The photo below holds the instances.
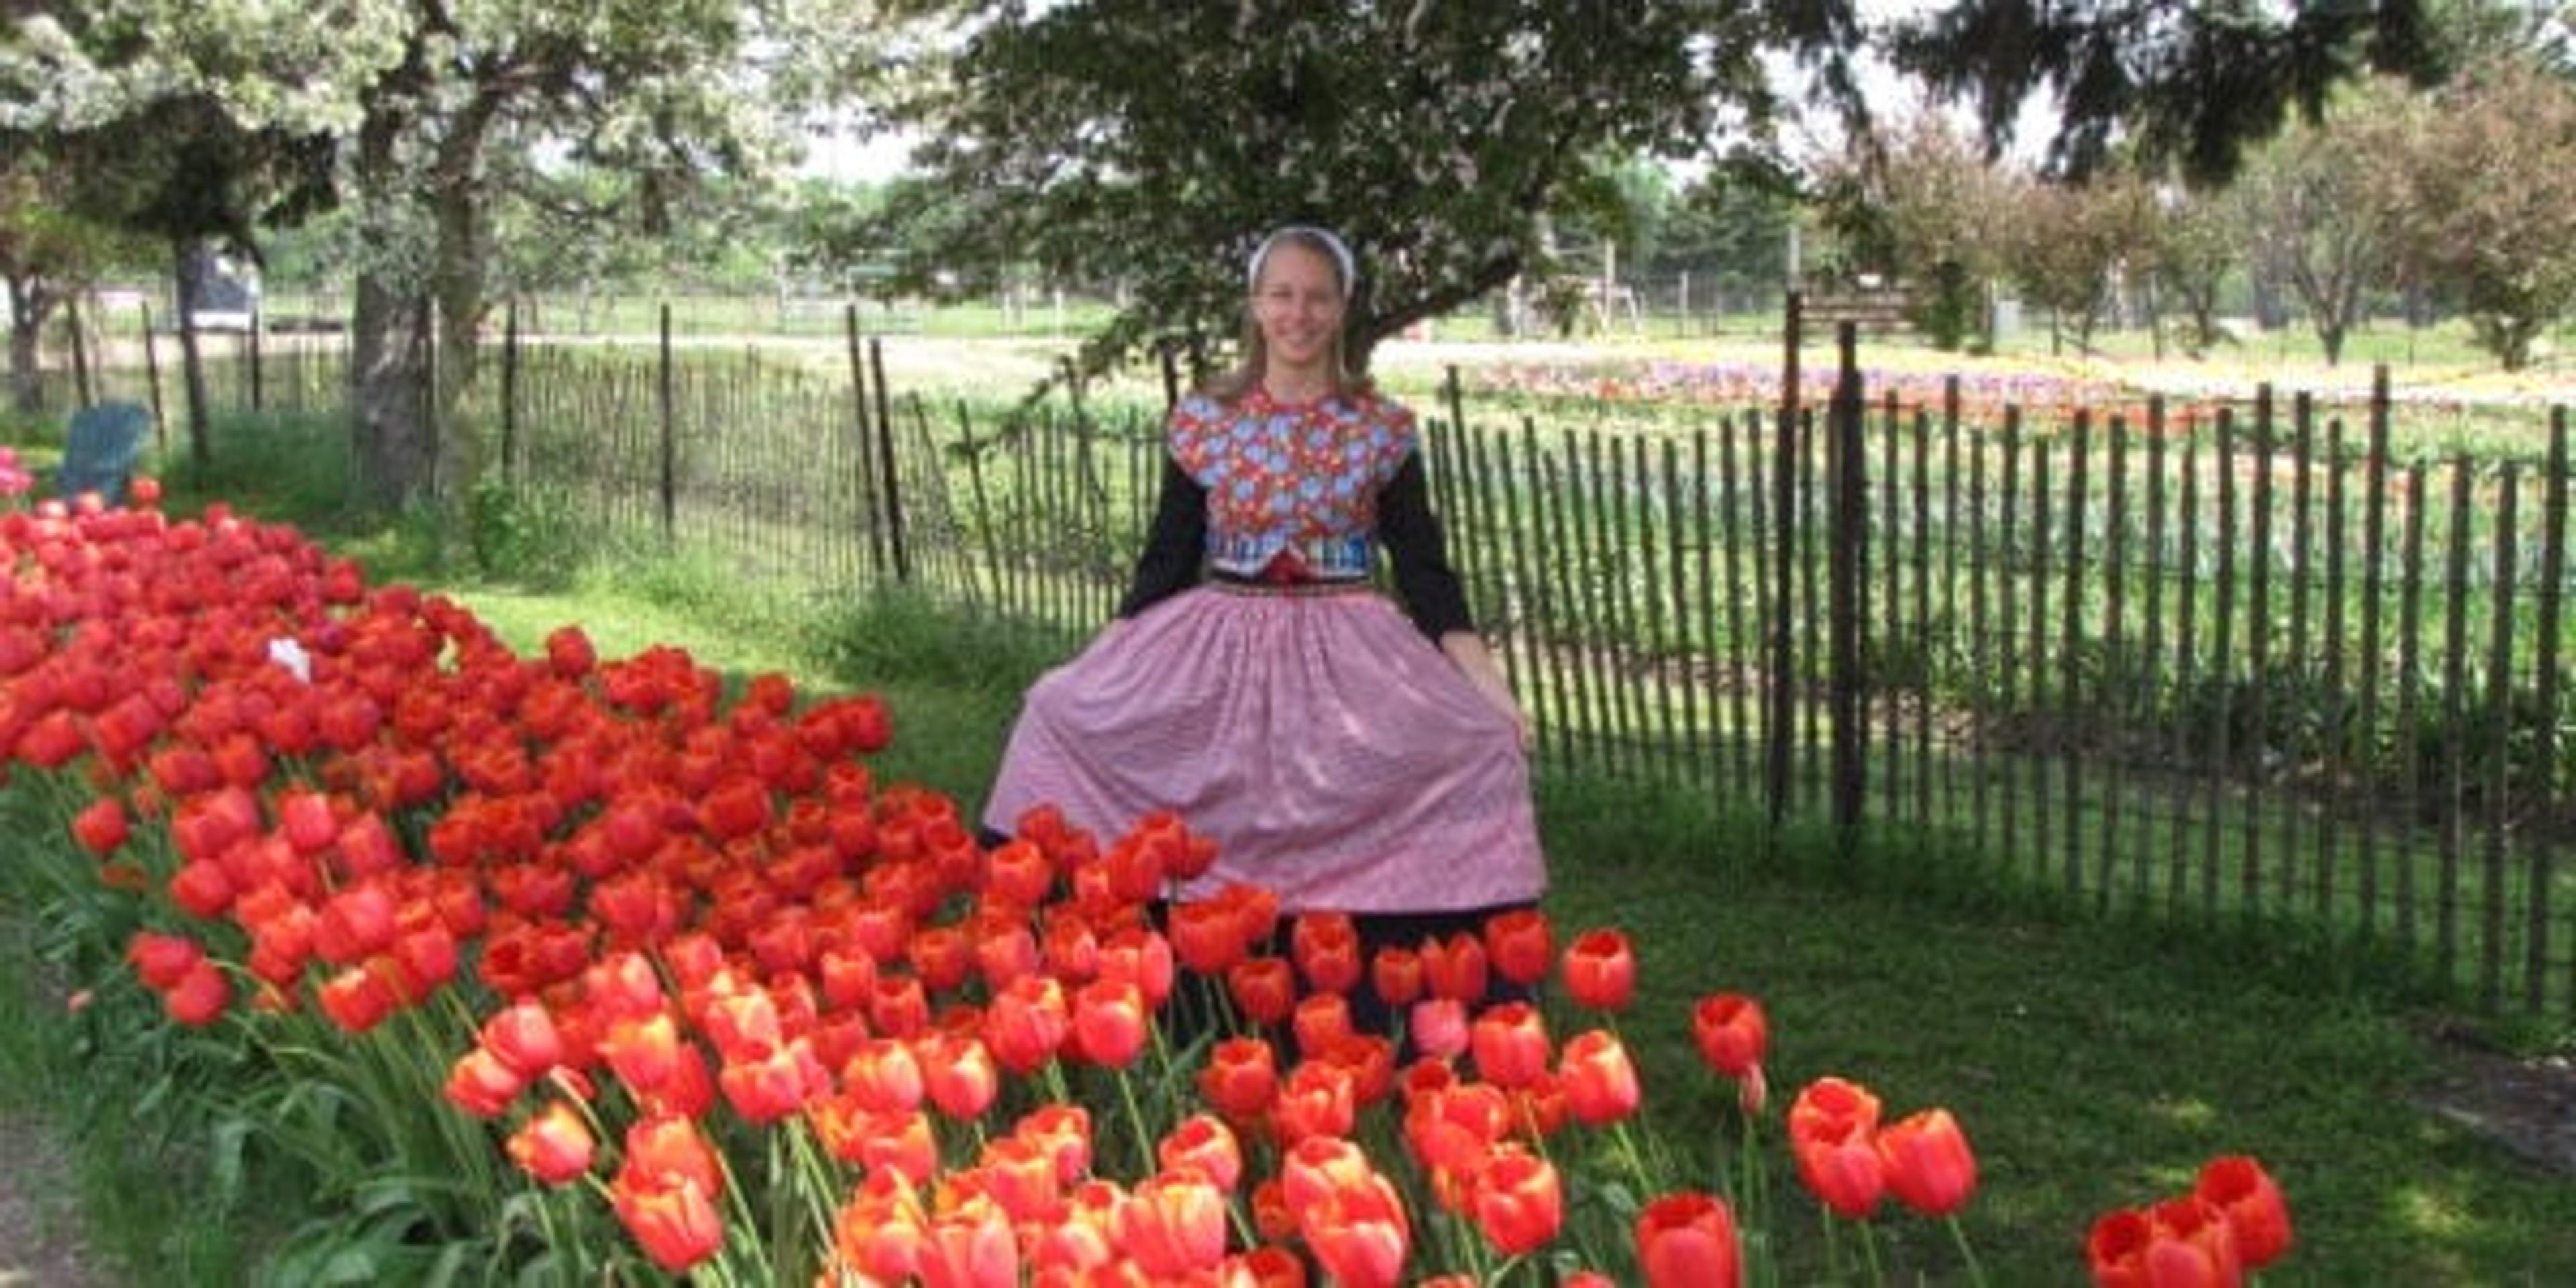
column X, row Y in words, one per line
column 1352, row 761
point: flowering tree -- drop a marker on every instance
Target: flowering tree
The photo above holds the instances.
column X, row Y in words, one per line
column 1150, row 145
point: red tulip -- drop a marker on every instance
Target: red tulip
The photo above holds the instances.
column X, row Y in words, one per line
column 1109, row 1022
column 1141, row 957
column 1455, row 968
column 1315, row 1100
column 2256, row 1213
column 524, row 1037
column 970, row 1246
column 1174, row 1224
column 358, row 998
column 569, row 652
column 1396, row 974
column 882, row 1075
column 1063, row 1133
column 554, row 1146
column 675, row 1222
column 1204, row 1144
column 1519, row 1201
column 1731, row 1033
column 160, row 960
column 2180, row 1243
column 199, row 996
column 101, row 827
column 1019, row 872
column 1599, row 1079
column 670, row 1147
column 1240, row 1078
column 1688, row 1240
column 1510, row 1042
column 1320, row 1021
column 1326, row 946
column 959, row 1073
column 644, row 1052
column 1026, row 1023
column 899, row 1007
column 481, row 1085
column 1264, row 987
column 1929, row 1166
column 775, row 1086
column 1520, row 944
column 1359, row 1235
column 1207, row 936
column 1601, row 970
column 1834, row 1109
column 1841, row 1170
column 1018, row 1173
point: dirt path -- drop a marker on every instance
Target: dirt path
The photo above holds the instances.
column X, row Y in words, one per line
column 40, row 1236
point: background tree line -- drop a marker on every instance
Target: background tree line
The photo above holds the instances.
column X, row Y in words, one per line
column 456, row 151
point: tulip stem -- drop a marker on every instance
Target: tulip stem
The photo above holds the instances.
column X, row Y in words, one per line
column 1136, row 1124
column 1959, row 1235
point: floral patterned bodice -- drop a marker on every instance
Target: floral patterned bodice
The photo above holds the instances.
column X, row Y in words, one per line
column 1291, row 487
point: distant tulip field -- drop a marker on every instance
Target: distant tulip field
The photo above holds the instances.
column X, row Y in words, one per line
column 641, row 973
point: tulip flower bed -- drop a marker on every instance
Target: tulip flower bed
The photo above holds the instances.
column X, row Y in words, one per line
column 657, row 978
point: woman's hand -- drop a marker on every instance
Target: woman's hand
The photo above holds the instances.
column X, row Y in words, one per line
column 1467, row 651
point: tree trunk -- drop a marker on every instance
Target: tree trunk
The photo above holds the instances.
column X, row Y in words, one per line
column 192, row 367
column 393, row 450
column 29, row 302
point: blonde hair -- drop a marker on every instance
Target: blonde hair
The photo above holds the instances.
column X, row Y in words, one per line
column 1232, row 384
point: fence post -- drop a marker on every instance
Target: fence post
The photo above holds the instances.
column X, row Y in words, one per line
column 510, row 390
column 670, row 436
column 250, row 341
column 1780, row 693
column 886, row 463
column 152, row 376
column 1847, row 527
column 867, row 447
column 81, row 381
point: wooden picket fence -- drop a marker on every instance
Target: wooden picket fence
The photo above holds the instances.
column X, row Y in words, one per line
column 2245, row 671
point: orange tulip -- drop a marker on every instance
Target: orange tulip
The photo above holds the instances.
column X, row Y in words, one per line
column 1928, row 1163
column 555, row 1146
column 2256, row 1213
column 1731, row 1033
column 1326, row 946
column 1599, row 1079
column 1510, row 1043
column 1240, row 1078
column 1109, row 1022
column 1518, row 1200
column 674, row 1221
column 1204, row 1144
column 1688, row 1240
column 1520, row 944
column 1601, row 970
column 1174, row 1224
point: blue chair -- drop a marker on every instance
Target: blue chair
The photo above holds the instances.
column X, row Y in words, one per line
column 105, row 444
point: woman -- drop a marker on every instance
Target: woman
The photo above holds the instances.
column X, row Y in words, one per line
column 1342, row 756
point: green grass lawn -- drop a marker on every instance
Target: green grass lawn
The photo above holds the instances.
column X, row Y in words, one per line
column 2094, row 1064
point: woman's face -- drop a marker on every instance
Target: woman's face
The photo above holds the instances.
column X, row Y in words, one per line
column 1298, row 305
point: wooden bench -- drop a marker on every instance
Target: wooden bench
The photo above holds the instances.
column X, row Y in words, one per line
column 102, row 449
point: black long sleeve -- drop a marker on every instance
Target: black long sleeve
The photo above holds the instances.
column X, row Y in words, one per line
column 1174, row 546
column 1413, row 540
